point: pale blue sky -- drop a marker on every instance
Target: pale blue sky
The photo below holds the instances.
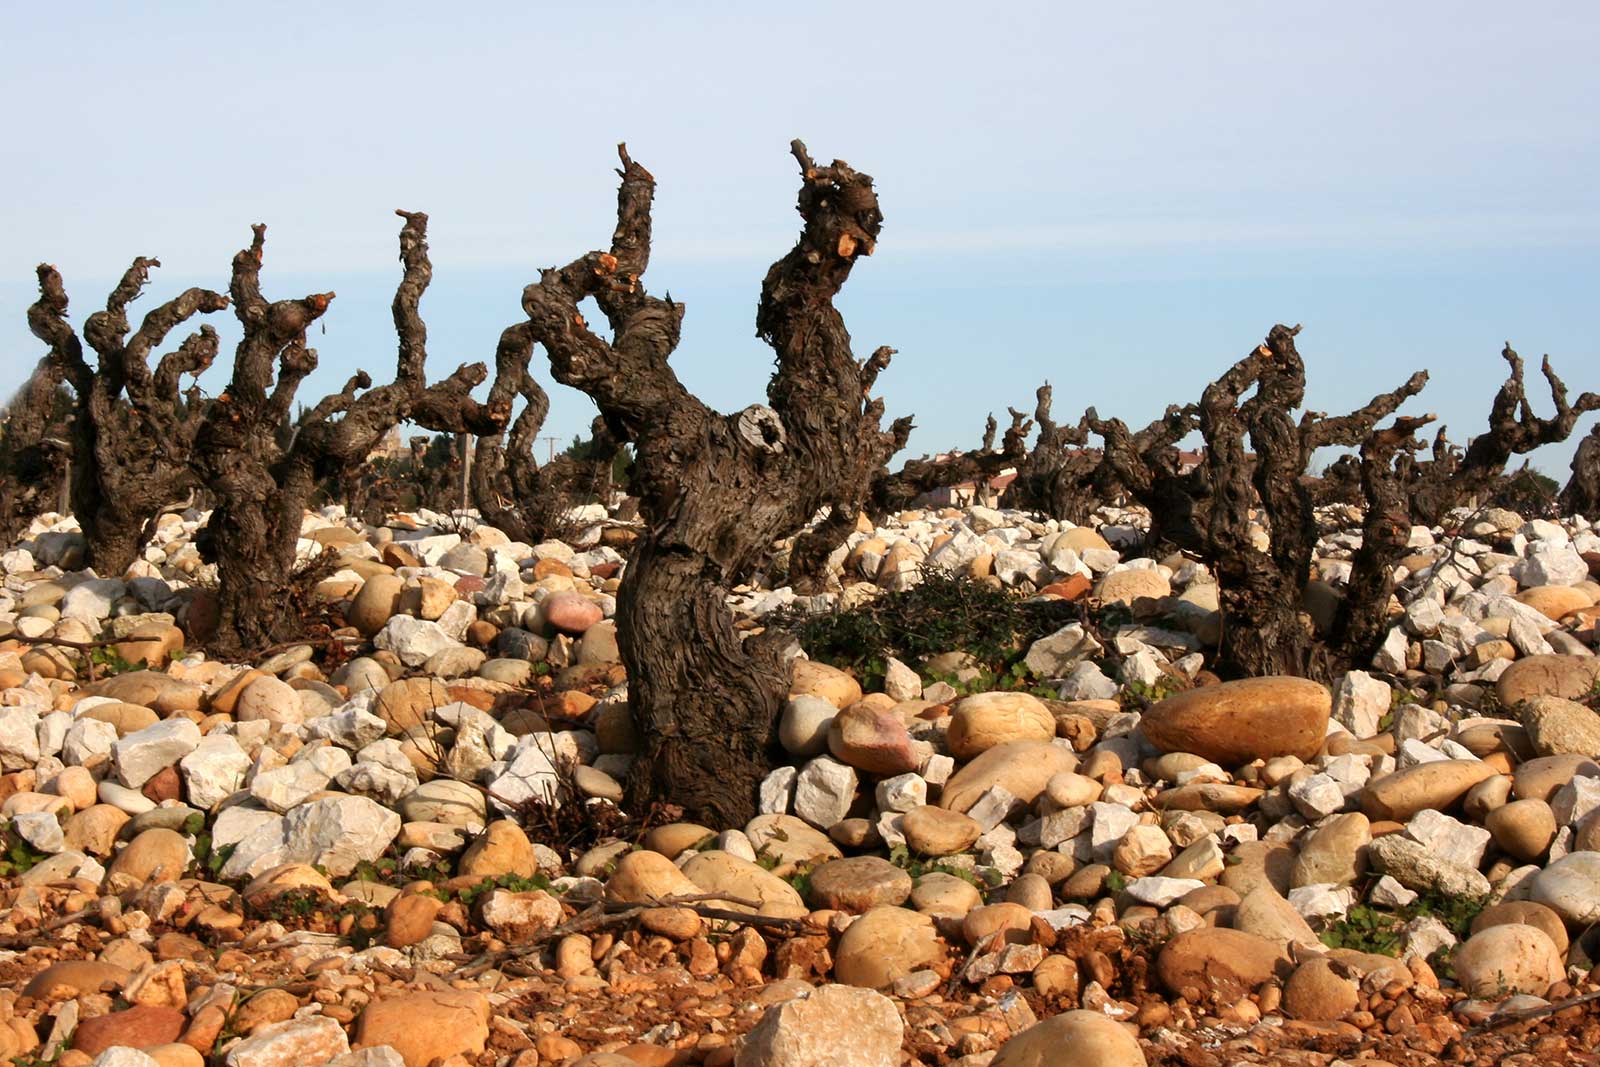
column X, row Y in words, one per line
column 1119, row 198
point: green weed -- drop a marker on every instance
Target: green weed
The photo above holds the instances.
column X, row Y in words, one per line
column 945, row 612
column 1377, row 930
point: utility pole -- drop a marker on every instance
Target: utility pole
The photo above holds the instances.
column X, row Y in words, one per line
column 466, row 468
column 552, row 439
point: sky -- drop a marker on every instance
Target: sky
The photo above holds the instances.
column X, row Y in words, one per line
column 1119, row 199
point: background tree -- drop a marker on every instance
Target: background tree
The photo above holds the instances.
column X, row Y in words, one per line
column 600, row 464
column 508, row 486
column 1526, row 491
column 716, row 491
column 132, row 430
column 35, row 449
column 1060, row 477
column 1581, row 496
column 262, row 487
column 896, row 492
column 1514, row 430
column 1147, row 466
column 1264, row 627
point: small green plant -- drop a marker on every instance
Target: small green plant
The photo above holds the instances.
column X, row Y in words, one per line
column 1377, row 930
column 917, row 866
column 1455, row 912
column 107, row 660
column 1137, row 696
column 800, row 879
column 1116, row 881
column 513, row 883
column 37, row 1059
column 945, row 612
column 19, row 857
column 1366, row 929
column 383, row 870
column 1114, row 615
column 1399, row 697
column 982, row 680
column 294, row 906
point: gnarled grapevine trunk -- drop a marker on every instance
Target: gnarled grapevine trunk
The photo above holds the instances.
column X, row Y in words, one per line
column 34, row 448
column 717, row 490
column 262, row 486
column 1147, row 466
column 1059, row 477
column 1363, row 621
column 892, row 492
column 132, row 431
column 1265, row 629
column 1582, row 493
column 509, row 489
column 1452, row 479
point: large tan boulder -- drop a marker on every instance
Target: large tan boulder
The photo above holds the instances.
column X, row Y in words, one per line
column 1523, row 829
column 934, row 831
column 150, row 689
column 1072, row 1039
column 984, row 720
column 884, row 945
column 820, row 680
column 94, row 829
column 409, row 703
column 1214, row 962
column 378, row 599
column 1125, row 587
column 1237, row 722
column 1079, row 539
column 1528, row 913
column 75, row 977
column 830, row 1026
column 1560, row 727
column 858, row 884
column 156, row 855
column 140, row 1026
column 789, row 842
column 1512, row 958
column 1252, row 864
column 1540, row 778
column 435, row 1024
column 643, row 876
column 872, row 739
column 1023, row 768
column 502, row 849
column 675, row 838
column 1439, row 784
column 270, row 699
column 124, row 718
column 271, row 884
column 1318, row 992
column 1551, row 675
column 1263, row 911
column 1335, row 853
column 1555, row 601
column 725, row 874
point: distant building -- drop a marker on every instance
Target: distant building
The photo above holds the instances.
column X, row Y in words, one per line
column 392, row 447
column 967, row 493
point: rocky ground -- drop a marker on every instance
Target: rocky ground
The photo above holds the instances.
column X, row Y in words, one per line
column 399, row 843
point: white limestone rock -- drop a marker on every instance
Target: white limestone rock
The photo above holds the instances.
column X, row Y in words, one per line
column 141, row 754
